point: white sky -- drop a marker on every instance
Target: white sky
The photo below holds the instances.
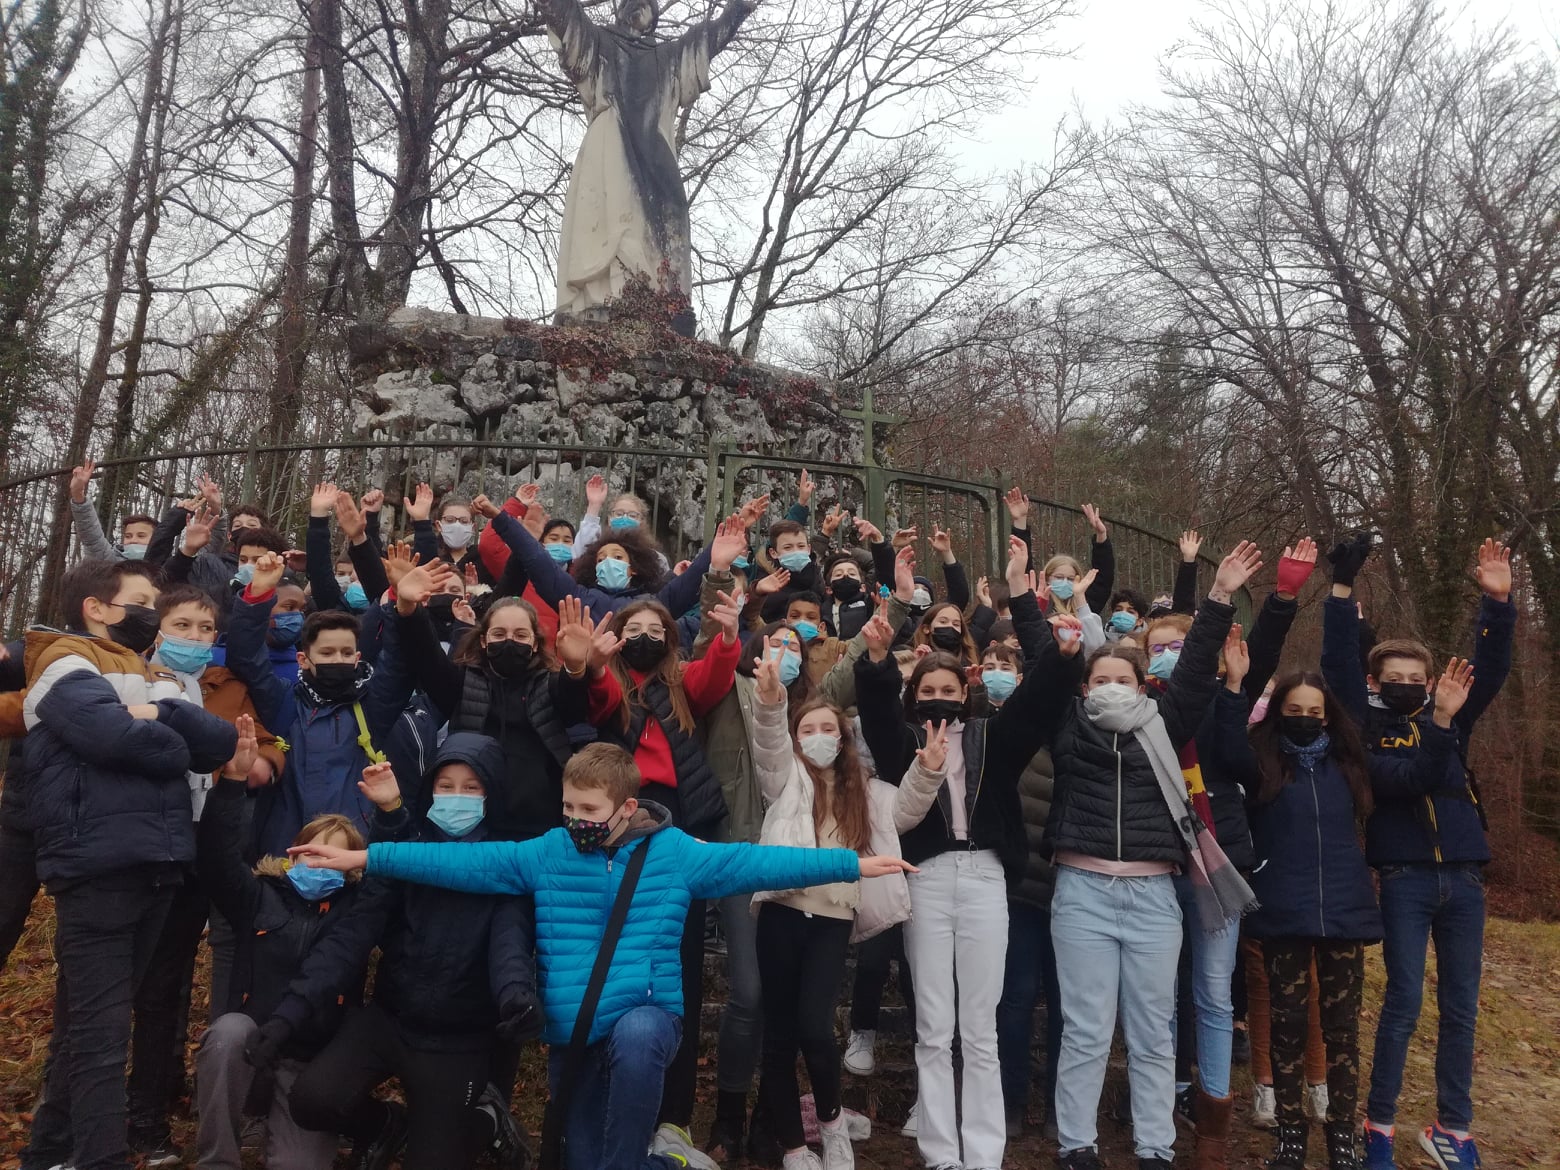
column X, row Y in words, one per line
column 1117, row 46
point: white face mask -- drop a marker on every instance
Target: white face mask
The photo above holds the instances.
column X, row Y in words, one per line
column 1111, row 695
column 821, row 749
column 920, row 599
column 455, row 533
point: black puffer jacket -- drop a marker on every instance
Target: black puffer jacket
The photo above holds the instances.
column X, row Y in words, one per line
column 1035, row 789
column 1107, row 802
column 450, row 963
column 276, row 928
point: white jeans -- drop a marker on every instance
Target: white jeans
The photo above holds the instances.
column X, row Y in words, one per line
column 959, row 924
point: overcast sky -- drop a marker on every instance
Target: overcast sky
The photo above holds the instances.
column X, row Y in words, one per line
column 1117, row 45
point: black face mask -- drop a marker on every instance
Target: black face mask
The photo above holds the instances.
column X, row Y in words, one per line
column 643, row 653
column 846, row 589
column 335, row 682
column 137, row 630
column 938, row 711
column 947, row 638
column 509, row 659
column 1301, row 730
column 1404, row 698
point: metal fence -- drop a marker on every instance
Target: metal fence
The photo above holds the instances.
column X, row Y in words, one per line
column 688, row 490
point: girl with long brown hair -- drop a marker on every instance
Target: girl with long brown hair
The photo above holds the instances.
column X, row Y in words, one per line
column 819, row 797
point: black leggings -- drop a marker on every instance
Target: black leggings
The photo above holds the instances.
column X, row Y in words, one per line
column 334, row 1092
column 872, row 961
column 681, row 1081
column 801, row 960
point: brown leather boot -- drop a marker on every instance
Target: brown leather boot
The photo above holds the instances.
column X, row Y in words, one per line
column 1213, row 1116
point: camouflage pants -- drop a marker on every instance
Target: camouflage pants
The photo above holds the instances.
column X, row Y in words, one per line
column 1340, row 975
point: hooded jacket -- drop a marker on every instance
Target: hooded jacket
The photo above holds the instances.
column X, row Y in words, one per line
column 107, row 791
column 574, row 895
column 450, row 963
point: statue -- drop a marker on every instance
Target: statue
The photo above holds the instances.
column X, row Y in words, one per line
column 626, row 214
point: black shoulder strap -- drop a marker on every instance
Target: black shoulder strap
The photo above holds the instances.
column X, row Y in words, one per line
column 557, row 1112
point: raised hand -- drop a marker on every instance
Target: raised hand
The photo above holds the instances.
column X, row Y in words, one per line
column 529, row 494
column 420, row 583
column 983, row 592
column 604, row 644
column 79, row 478
column 1082, row 588
column 462, row 612
column 1295, row 568
column 349, row 519
column 576, row 634
column 373, row 500
column 595, row 495
column 867, row 532
column 1451, row 691
column 832, row 521
column 318, row 855
column 197, row 531
column 804, row 489
column 942, row 542
column 1191, row 544
column 535, row 521
column 323, row 500
column 753, row 511
column 469, row 574
column 904, row 574
column 268, row 571
column 1019, row 578
column 1092, row 515
column 1017, row 501
column 773, row 583
column 905, row 537
column 935, row 754
column 297, row 560
column 1237, row 659
column 872, row 867
column 730, row 543
column 1068, row 632
column 766, row 680
column 421, row 503
column 484, row 507
column 1348, row 557
column 725, row 615
column 246, row 753
column 681, row 567
column 381, row 787
column 1235, row 570
column 879, row 636
column 210, row 491
column 1494, row 571
column 399, row 560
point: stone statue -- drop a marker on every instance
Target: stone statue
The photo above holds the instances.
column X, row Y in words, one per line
column 627, row 213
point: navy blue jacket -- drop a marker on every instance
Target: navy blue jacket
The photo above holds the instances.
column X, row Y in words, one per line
column 324, row 760
column 1436, row 819
column 450, row 963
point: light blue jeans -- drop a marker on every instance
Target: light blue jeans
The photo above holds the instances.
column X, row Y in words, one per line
column 1118, row 941
column 1213, row 973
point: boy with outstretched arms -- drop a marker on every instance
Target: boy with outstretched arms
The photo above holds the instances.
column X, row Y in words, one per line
column 1428, row 844
column 574, row 873
column 111, row 743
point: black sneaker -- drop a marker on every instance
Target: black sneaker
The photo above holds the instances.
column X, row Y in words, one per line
column 154, row 1149
column 386, row 1145
column 510, row 1147
column 763, row 1149
column 1289, row 1146
column 1155, row 1164
column 1084, row 1159
column 1184, row 1106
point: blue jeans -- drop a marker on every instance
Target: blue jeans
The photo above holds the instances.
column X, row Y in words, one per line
column 612, row 1113
column 1420, row 904
column 1118, row 941
column 1031, row 968
column 1213, row 977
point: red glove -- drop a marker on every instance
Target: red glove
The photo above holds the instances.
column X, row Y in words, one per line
column 1293, row 574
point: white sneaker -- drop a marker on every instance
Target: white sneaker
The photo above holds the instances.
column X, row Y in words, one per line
column 804, row 1159
column 837, row 1151
column 674, row 1139
column 859, row 1056
column 912, row 1125
column 857, row 1125
column 1264, row 1108
column 1316, row 1098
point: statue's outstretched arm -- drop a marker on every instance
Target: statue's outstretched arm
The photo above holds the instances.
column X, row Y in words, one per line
column 724, row 27
column 576, row 36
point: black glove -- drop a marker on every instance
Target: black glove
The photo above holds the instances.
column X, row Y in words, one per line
column 1349, row 556
column 519, row 1018
column 264, row 1048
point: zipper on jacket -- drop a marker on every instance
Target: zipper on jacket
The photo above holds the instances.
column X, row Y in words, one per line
column 979, row 780
column 1321, row 896
column 1435, row 829
column 1115, row 744
column 75, row 806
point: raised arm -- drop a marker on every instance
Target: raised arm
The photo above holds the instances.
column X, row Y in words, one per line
column 774, row 760
column 1495, row 629
column 878, row 684
column 1102, row 559
column 1195, row 679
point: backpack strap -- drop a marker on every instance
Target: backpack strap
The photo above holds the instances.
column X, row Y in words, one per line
column 364, row 740
column 557, row 1112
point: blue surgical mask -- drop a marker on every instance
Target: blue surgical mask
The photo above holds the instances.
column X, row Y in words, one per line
column 314, row 885
column 355, row 597
column 621, row 522
column 184, row 654
column 742, row 563
column 790, row 666
column 245, row 574
column 456, row 813
column 1061, row 588
column 286, row 628
column 560, row 552
column 1163, row 664
column 805, row 630
column 1123, row 622
column 612, row 575
column 796, row 561
column 134, row 552
column 999, row 684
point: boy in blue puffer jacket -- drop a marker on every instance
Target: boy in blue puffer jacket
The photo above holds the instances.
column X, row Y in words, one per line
column 574, row 873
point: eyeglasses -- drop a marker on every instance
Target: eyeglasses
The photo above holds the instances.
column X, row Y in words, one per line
column 624, row 514
column 1161, row 647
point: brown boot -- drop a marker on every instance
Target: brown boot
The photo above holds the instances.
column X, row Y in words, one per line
column 1213, row 1131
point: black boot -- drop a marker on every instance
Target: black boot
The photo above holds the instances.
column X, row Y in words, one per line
column 1342, row 1150
column 1289, row 1147
column 762, row 1147
column 725, row 1141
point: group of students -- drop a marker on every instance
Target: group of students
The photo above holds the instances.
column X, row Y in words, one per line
column 520, row 766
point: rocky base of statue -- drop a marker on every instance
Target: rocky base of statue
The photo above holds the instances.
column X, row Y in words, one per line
column 448, row 380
